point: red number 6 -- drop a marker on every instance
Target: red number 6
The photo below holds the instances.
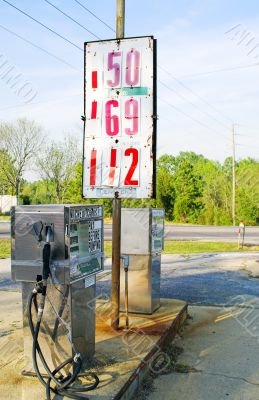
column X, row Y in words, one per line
column 111, row 118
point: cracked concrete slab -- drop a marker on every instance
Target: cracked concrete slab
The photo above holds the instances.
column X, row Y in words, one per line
column 252, row 266
column 221, row 345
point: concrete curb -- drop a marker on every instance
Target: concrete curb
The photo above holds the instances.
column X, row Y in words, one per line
column 129, row 389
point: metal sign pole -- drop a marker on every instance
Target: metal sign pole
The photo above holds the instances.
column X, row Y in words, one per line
column 116, row 209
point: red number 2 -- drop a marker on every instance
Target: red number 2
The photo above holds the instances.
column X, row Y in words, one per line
column 128, row 179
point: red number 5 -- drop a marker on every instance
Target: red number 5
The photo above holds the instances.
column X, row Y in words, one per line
column 116, row 67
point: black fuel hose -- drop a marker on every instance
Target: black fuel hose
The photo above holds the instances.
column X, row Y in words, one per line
column 63, row 385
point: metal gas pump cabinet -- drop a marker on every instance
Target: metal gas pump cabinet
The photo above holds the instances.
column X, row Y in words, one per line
column 142, row 241
column 76, row 257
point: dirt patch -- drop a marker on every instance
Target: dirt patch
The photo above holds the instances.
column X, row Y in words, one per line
column 212, row 316
column 173, row 352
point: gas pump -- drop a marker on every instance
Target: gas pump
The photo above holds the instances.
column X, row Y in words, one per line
column 57, row 250
column 142, row 241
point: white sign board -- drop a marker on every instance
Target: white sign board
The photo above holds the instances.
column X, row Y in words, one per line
column 120, row 118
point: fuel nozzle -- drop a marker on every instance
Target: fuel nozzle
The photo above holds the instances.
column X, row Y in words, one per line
column 46, row 255
column 37, row 229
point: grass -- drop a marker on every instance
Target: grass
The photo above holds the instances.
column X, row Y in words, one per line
column 108, row 248
column 186, row 247
column 5, row 217
column 5, row 248
column 171, row 247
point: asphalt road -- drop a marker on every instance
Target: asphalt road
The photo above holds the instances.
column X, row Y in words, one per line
column 181, row 232
column 202, row 279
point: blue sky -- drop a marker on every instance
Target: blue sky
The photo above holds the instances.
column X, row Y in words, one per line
column 197, row 102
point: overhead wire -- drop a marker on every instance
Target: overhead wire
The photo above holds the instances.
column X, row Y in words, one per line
column 250, row 128
column 191, row 117
column 204, row 112
column 162, row 68
column 43, row 25
column 29, row 16
column 194, row 93
column 39, row 47
column 95, row 16
column 193, row 104
column 63, row 99
column 72, row 19
column 221, row 70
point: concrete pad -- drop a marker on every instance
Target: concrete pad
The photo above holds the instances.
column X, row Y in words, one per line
column 221, row 352
column 123, row 357
column 252, row 266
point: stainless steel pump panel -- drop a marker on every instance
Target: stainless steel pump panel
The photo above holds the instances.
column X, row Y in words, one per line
column 68, row 325
column 143, row 284
column 76, row 241
column 142, row 230
column 142, row 240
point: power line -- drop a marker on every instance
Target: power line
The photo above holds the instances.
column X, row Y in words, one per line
column 38, row 47
column 44, row 26
column 41, row 102
column 233, row 176
column 247, row 145
column 72, row 19
column 191, row 117
column 221, row 70
column 95, row 16
column 194, row 93
column 193, row 104
column 251, row 128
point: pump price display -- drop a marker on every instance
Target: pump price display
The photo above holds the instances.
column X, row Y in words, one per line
column 120, row 120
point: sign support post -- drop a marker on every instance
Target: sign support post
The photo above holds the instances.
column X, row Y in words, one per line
column 116, row 209
column 120, row 128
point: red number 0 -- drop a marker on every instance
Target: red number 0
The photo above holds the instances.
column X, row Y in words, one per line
column 133, row 54
column 128, row 180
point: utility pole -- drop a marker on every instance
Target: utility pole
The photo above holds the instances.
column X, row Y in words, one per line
column 116, row 207
column 233, row 176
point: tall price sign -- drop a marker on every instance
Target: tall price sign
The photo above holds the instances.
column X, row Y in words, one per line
column 120, row 118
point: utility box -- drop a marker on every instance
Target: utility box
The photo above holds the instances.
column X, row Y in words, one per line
column 76, row 257
column 142, row 241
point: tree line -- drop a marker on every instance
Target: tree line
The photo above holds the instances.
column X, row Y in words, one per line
column 190, row 187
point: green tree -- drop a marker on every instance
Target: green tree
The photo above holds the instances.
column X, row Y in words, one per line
column 247, row 191
column 7, row 173
column 165, row 192
column 21, row 141
column 57, row 165
column 188, row 188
